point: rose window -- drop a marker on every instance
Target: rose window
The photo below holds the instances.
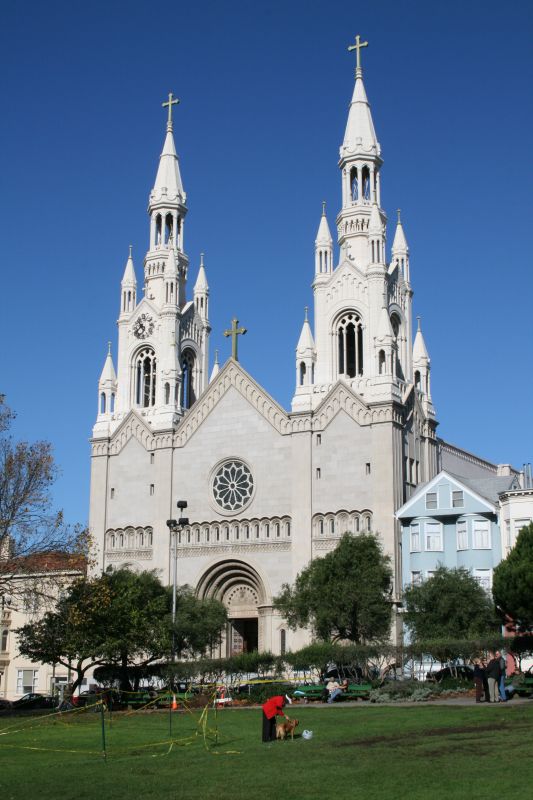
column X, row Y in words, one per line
column 233, row 485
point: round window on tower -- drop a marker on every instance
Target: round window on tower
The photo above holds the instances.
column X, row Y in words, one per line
column 232, row 485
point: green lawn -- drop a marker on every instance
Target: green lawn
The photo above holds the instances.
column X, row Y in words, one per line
column 364, row 751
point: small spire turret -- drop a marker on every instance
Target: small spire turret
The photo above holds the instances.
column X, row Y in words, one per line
column 128, row 286
column 400, row 249
column 323, row 246
column 107, row 388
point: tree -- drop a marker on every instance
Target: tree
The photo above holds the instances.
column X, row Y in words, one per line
column 120, row 618
column 513, row 581
column 344, row 595
column 29, row 526
column 448, row 606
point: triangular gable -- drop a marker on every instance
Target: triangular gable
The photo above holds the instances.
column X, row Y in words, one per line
column 133, row 425
column 347, row 284
column 403, row 512
column 232, row 375
column 342, row 398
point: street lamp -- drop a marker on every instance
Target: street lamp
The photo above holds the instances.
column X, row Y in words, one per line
column 174, row 527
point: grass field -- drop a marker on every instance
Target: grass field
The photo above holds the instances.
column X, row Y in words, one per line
column 364, row 751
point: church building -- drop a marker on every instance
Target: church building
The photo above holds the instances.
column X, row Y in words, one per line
column 267, row 489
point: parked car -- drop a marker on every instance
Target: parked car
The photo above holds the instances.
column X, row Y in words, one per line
column 5, row 705
column 461, row 672
column 34, row 700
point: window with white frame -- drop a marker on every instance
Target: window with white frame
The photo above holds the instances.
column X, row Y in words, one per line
column 458, row 499
column 430, row 573
column 433, row 532
column 416, row 578
column 415, row 537
column 481, row 534
column 508, row 540
column 431, row 500
column 484, row 578
column 517, row 527
column 27, row 680
column 462, row 534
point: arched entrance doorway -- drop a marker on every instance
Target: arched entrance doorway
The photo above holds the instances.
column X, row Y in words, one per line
column 239, row 587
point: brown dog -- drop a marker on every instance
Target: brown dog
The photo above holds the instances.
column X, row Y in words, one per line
column 284, row 728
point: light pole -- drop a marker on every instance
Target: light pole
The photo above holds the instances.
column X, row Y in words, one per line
column 174, row 526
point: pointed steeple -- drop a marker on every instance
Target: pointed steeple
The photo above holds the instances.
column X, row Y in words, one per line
column 420, row 353
column 360, row 135
column 400, row 249
column 323, row 235
column 201, row 291
column 306, row 343
column 201, row 284
column 399, row 244
column 323, row 246
column 129, row 278
column 128, row 287
column 107, row 388
column 108, row 372
column 216, row 368
column 168, row 184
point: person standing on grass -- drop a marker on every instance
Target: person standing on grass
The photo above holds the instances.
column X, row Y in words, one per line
column 479, row 674
column 271, row 709
column 493, row 676
column 501, row 659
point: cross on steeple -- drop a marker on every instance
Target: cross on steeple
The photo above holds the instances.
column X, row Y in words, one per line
column 357, row 47
column 234, row 331
column 172, row 101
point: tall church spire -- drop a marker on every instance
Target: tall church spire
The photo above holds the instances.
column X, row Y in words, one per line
column 167, row 212
column 360, row 162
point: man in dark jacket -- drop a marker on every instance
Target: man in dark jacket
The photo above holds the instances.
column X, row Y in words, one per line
column 493, row 672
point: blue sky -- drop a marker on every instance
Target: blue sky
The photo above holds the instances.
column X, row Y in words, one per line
column 264, row 91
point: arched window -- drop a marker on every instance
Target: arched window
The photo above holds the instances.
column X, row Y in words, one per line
column 188, row 396
column 396, row 325
column 381, row 362
column 417, row 379
column 366, row 183
column 302, row 373
column 158, row 229
column 168, row 228
column 102, row 403
column 112, row 404
column 283, row 641
column 167, row 393
column 149, row 537
column 5, row 635
column 111, row 540
column 145, row 375
column 350, row 345
column 354, row 184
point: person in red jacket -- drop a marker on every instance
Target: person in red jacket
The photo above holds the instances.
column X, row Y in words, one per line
column 271, row 709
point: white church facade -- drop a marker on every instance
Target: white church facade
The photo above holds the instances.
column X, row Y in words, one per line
column 268, row 490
